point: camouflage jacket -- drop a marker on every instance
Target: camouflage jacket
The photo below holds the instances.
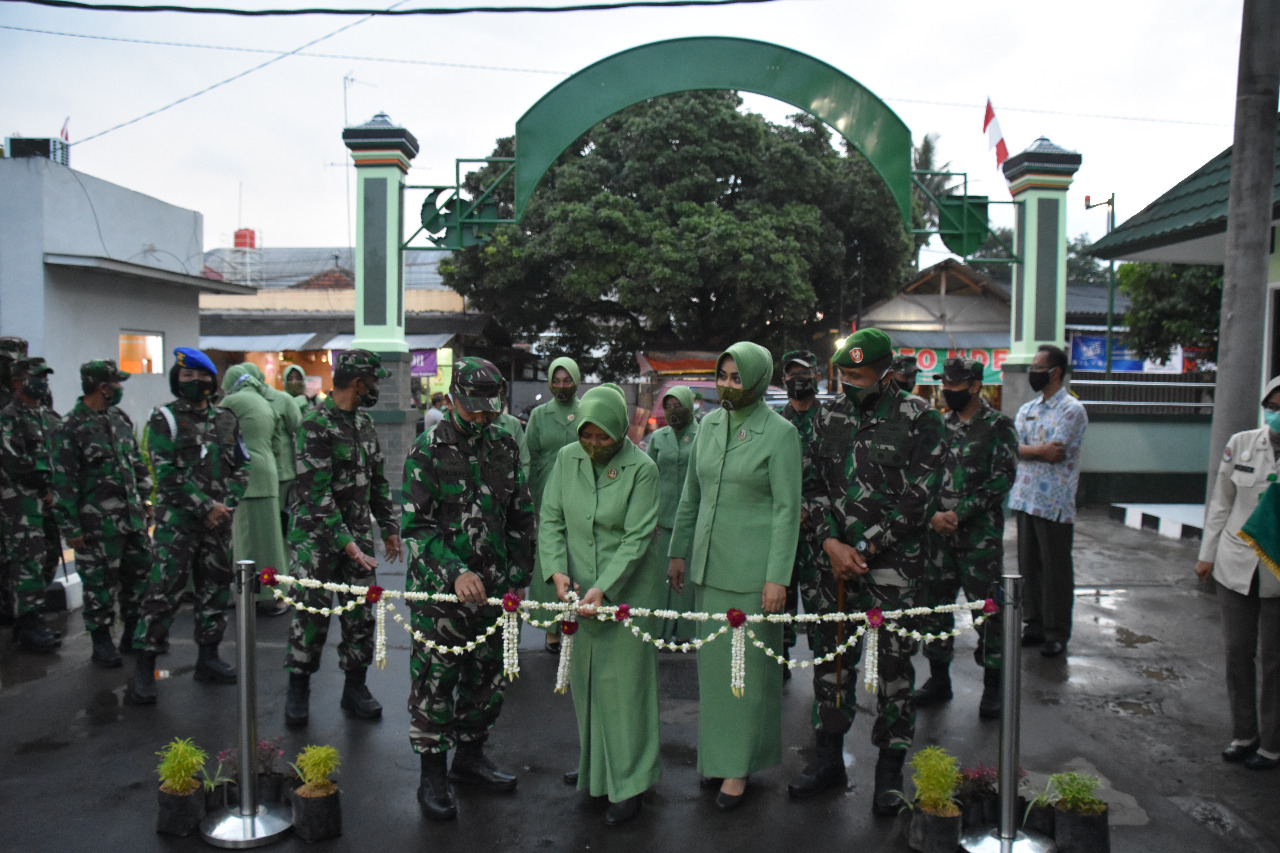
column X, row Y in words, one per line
column 467, row 508
column 341, row 480
column 875, row 475
column 26, row 433
column 99, row 478
column 197, row 457
column 807, row 424
column 982, row 461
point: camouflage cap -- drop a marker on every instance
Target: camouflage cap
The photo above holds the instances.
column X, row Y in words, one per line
column 799, row 356
column 960, row 370
column 906, row 365
column 865, row 346
column 102, row 370
column 34, row 366
column 12, row 346
column 362, row 363
column 477, row 385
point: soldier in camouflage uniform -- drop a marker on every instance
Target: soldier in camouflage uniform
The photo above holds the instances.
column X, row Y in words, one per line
column 800, row 375
column 469, row 528
column 100, row 486
column 201, row 468
column 11, row 348
column 904, row 371
column 968, row 530
column 340, row 482
column 871, row 487
column 26, row 429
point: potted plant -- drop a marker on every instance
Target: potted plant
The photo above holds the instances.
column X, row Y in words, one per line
column 935, row 817
column 1080, row 818
column 1038, row 814
column 317, row 810
column 180, row 798
column 220, row 788
column 270, row 776
column 978, row 796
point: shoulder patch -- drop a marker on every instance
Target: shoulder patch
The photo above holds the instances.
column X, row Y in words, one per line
column 1226, row 455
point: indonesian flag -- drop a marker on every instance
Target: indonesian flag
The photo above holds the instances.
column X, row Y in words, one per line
column 995, row 139
column 66, row 125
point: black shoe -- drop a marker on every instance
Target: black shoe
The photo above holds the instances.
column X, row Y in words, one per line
column 1239, row 752
column 142, row 686
column 1032, row 638
column 356, row 698
column 571, row 777
column 620, row 812
column 728, row 802
column 297, row 700
column 824, row 772
column 710, row 783
column 433, row 787
column 937, row 689
column 1053, row 648
column 212, row 669
column 272, row 608
column 32, row 635
column 887, row 799
column 992, row 701
column 126, row 638
column 472, row 767
column 552, row 643
column 1261, row 762
column 105, row 653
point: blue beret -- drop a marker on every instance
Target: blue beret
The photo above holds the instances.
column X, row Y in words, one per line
column 192, row 358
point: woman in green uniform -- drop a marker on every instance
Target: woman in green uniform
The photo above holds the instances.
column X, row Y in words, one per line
column 599, row 509
column 256, row 533
column 671, row 447
column 738, row 521
column 551, row 426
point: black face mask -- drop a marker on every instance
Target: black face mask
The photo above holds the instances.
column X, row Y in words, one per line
column 369, row 398
column 295, row 387
column 196, row 390
column 957, row 400
column 800, row 387
column 1039, row 379
column 564, row 395
column 679, row 417
column 35, row 387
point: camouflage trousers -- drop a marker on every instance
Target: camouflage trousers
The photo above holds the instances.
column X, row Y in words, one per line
column 835, row 683
column 106, row 562
column 977, row 571
column 308, row 632
column 454, row 698
column 186, row 550
column 804, row 576
column 34, row 551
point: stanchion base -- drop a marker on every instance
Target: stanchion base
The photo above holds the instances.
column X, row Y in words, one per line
column 989, row 841
column 228, row 828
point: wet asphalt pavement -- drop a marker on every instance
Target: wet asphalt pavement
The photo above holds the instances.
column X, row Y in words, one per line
column 1137, row 700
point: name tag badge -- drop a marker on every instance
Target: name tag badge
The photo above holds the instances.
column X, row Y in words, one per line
column 1247, row 469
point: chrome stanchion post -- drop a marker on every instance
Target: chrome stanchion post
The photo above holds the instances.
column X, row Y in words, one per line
column 1006, row 837
column 251, row 824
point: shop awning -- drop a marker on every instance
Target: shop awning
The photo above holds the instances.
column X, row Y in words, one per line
column 255, row 343
column 944, row 341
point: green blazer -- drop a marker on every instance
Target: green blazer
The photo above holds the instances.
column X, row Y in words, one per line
column 672, row 453
column 739, row 515
column 551, row 426
column 599, row 533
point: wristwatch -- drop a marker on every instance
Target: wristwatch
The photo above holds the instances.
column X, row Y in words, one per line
column 863, row 547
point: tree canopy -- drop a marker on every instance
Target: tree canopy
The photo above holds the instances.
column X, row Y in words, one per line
column 682, row 222
column 1172, row 304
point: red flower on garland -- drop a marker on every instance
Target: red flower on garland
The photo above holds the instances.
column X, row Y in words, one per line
column 568, row 628
column 374, row 595
column 624, row 612
column 511, row 602
column 736, row 617
column 875, row 617
column 990, row 606
column 268, row 577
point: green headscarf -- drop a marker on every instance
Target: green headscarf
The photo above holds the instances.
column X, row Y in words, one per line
column 755, row 366
column 605, row 408
column 571, row 367
column 239, row 376
column 684, row 397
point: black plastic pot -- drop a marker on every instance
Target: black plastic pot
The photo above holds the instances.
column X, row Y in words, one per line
column 1041, row 819
column 179, row 814
column 930, row 833
column 1081, row 833
column 223, row 795
column 271, row 788
column 980, row 812
column 316, row 818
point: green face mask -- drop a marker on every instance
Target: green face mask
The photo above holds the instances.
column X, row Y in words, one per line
column 295, row 387
column 601, row 453
column 195, row 390
column 565, row 395
column 112, row 395
column 861, row 396
column 734, row 398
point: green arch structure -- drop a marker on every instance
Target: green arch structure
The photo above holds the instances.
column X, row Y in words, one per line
column 687, row 64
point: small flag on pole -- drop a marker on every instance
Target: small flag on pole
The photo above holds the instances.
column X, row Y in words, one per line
column 995, row 139
column 66, row 130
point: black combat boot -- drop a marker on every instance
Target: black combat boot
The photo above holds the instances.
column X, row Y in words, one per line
column 105, row 653
column 126, row 639
column 472, row 767
column 888, row 796
column 992, row 701
column 297, row 700
column 356, row 698
column 213, row 669
column 31, row 634
column 142, row 687
column 826, row 771
column 937, row 689
column 433, row 787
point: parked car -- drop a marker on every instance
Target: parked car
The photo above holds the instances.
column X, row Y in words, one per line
column 710, row 398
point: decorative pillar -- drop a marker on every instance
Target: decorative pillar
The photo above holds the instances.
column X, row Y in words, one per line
column 1038, row 181
column 381, row 152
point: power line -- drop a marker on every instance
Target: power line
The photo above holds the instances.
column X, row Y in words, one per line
column 464, row 10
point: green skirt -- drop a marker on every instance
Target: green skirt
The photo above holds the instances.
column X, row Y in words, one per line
column 737, row 735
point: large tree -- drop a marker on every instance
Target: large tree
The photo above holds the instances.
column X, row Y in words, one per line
column 1171, row 304
column 683, row 222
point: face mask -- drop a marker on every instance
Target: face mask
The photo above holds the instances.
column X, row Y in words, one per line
column 112, row 395
column 679, row 417
column 369, row 398
column 734, row 398
column 471, row 428
column 564, row 395
column 295, row 388
column 196, row 390
column 35, row 387
column 957, row 400
column 601, row 453
column 1039, row 379
column 861, row 396
column 799, row 387
column 1272, row 420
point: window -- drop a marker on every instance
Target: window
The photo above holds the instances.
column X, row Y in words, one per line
column 142, row 352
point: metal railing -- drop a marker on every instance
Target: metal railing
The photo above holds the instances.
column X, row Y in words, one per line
column 1146, row 394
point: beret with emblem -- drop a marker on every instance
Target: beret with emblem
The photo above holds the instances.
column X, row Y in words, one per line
column 865, row 346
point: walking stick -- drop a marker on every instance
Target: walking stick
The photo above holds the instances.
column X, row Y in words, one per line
column 839, row 636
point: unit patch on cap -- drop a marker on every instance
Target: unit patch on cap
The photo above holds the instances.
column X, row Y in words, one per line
column 856, row 355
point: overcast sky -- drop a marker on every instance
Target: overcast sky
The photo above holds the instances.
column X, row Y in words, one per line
column 1144, row 90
